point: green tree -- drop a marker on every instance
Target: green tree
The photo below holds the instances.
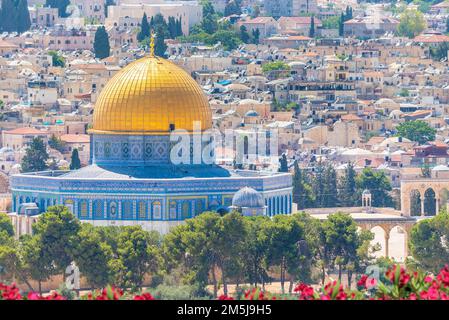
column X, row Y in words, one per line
column 229, row 39
column 412, row 23
column 417, row 130
column 144, row 28
column 302, row 190
column 429, row 243
column 195, row 244
column 61, row 5
column 14, row 16
column 22, row 16
column 102, row 47
column 137, row 254
column 341, row 240
column 440, row 51
column 75, row 162
column 348, row 188
column 5, row 226
column 56, row 143
column 159, row 43
column 37, row 263
column 244, row 35
column 282, row 235
column 233, row 230
column 58, row 233
column 275, row 66
column 256, row 36
column 233, row 7
column 35, row 157
column 255, row 251
column 341, row 25
column 378, row 184
column 57, row 59
column 312, row 27
column 330, row 187
column 332, row 22
column 93, row 256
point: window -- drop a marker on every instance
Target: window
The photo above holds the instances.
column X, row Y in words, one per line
column 157, row 210
column 98, row 209
column 142, row 210
column 127, row 210
column 83, row 212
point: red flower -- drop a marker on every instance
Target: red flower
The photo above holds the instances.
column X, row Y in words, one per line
column 144, row 296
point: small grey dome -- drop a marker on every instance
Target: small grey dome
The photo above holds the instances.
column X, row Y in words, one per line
column 251, row 113
column 366, row 192
column 248, row 198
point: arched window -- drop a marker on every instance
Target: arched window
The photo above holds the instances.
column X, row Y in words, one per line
column 142, row 210
column 83, row 211
column 186, row 210
column 112, row 214
column 156, row 210
column 98, row 209
column 172, row 210
column 199, row 208
column 127, row 210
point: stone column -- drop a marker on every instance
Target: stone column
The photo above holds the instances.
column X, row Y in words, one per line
column 422, row 207
column 437, row 204
column 387, row 238
column 405, row 243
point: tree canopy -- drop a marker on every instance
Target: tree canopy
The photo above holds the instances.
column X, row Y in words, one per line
column 36, row 156
column 418, row 131
column 102, row 47
column 412, row 23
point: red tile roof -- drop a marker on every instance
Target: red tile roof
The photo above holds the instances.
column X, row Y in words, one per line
column 75, row 138
column 431, row 38
column 25, row 131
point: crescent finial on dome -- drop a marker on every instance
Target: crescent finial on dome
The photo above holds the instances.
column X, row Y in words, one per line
column 153, row 35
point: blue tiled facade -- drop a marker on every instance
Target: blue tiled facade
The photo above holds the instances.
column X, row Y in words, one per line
column 146, row 199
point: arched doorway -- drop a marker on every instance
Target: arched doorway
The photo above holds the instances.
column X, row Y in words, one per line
column 429, row 202
column 397, row 244
column 379, row 240
column 415, row 203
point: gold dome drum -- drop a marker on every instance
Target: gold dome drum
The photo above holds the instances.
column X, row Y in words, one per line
column 150, row 96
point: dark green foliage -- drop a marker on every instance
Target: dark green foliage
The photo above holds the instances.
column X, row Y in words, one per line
column 14, row 16
column 36, row 156
column 144, row 29
column 102, row 47
column 75, row 162
column 61, row 5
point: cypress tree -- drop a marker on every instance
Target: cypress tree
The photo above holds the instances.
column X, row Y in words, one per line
column 159, row 44
column 348, row 187
column 144, row 29
column 172, row 27
column 75, row 162
column 23, row 16
column 102, row 48
column 8, row 22
column 244, row 36
column 179, row 32
column 256, row 36
column 312, row 27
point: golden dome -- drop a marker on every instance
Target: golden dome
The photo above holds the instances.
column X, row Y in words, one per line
column 148, row 96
